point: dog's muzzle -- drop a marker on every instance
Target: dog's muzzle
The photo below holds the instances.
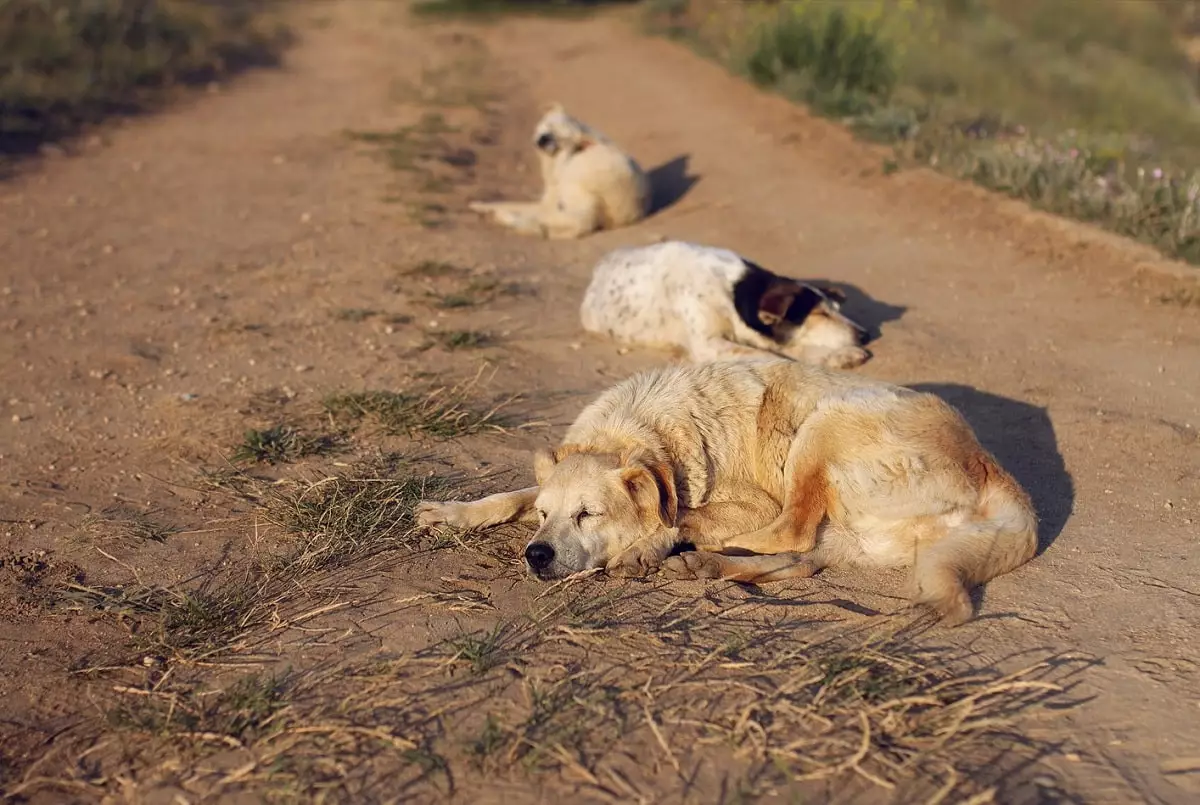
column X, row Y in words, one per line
column 546, row 142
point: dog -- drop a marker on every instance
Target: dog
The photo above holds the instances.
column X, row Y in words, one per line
column 715, row 304
column 772, row 469
column 589, row 184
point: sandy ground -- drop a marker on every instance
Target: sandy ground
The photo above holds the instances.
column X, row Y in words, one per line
column 229, row 263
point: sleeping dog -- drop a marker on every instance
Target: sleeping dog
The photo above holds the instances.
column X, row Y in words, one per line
column 715, row 304
column 773, row 470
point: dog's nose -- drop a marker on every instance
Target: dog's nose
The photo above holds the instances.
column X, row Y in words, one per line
column 863, row 336
column 539, row 555
column 544, row 141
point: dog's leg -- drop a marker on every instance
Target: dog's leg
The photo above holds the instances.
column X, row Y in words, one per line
column 805, row 505
column 745, row 569
column 522, row 216
column 703, row 347
column 712, row 525
column 505, row 507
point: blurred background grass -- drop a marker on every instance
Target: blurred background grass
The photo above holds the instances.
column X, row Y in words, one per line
column 67, row 63
column 1086, row 108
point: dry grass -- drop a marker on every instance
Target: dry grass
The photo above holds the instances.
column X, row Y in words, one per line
column 281, row 444
column 443, row 413
column 122, row 525
column 620, row 693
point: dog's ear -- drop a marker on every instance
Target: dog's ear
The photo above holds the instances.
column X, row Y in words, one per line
column 555, row 106
column 773, row 305
column 651, row 484
column 544, row 462
column 787, row 300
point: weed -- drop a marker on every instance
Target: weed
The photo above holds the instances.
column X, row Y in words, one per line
column 435, row 268
column 441, row 413
column 477, row 292
column 244, row 712
column 463, row 339
column 339, row 520
column 480, row 651
column 280, row 444
column 121, row 525
column 66, row 63
column 1184, row 296
column 406, row 148
column 354, row 313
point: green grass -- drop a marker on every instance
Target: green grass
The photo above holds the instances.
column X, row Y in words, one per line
column 68, row 63
column 281, row 444
column 463, row 339
column 1090, row 110
column 442, row 413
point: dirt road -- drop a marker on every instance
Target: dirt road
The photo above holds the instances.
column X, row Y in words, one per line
column 230, row 263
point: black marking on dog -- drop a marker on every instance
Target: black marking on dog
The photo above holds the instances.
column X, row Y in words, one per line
column 803, row 304
column 546, row 142
column 748, row 293
column 756, row 284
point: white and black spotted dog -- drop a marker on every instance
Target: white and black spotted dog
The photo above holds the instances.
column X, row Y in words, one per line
column 715, row 304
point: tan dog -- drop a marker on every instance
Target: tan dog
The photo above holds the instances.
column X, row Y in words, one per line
column 589, row 184
column 774, row 470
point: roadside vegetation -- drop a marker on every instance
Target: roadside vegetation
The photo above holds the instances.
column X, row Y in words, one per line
column 68, row 63
column 1088, row 110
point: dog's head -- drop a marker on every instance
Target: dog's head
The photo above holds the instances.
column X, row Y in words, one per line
column 558, row 131
column 805, row 315
column 594, row 505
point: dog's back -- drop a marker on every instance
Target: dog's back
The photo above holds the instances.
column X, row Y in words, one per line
column 654, row 294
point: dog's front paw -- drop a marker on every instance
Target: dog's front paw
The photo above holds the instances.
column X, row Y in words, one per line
column 635, row 563
column 430, row 513
column 847, row 358
column 693, row 565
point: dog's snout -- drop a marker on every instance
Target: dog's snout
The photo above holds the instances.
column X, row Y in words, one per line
column 539, row 555
column 544, row 141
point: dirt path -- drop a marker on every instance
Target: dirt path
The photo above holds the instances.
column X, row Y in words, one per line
column 230, row 263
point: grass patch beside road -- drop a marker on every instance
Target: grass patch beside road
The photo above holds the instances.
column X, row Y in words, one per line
column 67, row 63
column 1087, row 110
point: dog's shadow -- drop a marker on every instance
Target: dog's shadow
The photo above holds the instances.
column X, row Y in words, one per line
column 862, row 307
column 1021, row 437
column 670, row 182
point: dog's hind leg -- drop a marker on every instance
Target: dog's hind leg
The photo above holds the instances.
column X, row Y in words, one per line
column 475, row 515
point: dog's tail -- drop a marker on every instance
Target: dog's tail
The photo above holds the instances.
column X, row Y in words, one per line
column 999, row 537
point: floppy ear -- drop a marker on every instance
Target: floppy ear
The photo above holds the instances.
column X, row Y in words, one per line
column 776, row 299
column 652, row 486
column 544, row 462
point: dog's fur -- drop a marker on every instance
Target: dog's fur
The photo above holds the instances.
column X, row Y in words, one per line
column 773, row 469
column 589, row 183
column 715, row 304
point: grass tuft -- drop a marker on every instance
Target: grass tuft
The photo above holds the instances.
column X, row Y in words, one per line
column 442, row 413
column 463, row 339
column 279, row 445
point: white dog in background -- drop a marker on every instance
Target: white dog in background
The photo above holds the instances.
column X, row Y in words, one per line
column 715, row 304
column 590, row 184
